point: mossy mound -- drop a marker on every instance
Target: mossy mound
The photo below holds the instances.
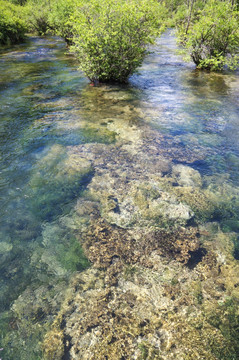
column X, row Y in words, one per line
column 61, row 251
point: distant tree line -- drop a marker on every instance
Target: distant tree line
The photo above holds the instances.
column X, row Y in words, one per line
column 110, row 37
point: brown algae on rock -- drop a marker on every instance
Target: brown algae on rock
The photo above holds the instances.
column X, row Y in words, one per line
column 121, row 312
column 158, row 272
column 155, row 280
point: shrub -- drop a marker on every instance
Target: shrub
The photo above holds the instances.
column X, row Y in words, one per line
column 110, row 36
column 12, row 26
column 213, row 39
column 37, row 13
column 61, row 11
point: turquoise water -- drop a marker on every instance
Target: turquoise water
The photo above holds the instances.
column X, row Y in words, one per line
column 48, row 108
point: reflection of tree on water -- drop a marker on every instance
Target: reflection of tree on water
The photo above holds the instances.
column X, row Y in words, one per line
column 207, row 83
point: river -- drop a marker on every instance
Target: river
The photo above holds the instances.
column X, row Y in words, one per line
column 111, row 187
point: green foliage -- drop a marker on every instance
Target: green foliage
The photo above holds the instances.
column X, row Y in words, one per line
column 110, row 36
column 173, row 5
column 12, row 26
column 180, row 15
column 18, row 2
column 182, row 12
column 212, row 40
column 37, row 13
column 61, row 11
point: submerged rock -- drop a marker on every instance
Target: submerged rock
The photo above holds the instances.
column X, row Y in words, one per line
column 30, row 318
column 5, row 247
column 158, row 272
column 163, row 311
column 103, row 243
column 155, row 272
column 186, row 176
column 57, row 178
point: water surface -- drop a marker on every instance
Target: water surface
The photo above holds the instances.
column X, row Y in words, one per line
column 55, row 130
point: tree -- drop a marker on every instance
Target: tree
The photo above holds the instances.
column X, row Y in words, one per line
column 213, row 39
column 111, row 36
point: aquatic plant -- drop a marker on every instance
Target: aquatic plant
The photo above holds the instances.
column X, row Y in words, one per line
column 68, row 255
column 225, row 318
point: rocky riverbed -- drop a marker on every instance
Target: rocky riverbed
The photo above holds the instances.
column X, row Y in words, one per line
column 163, row 282
column 121, row 232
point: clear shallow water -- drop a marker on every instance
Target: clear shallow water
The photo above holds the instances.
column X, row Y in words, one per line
column 32, row 76
column 199, row 109
column 47, row 108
